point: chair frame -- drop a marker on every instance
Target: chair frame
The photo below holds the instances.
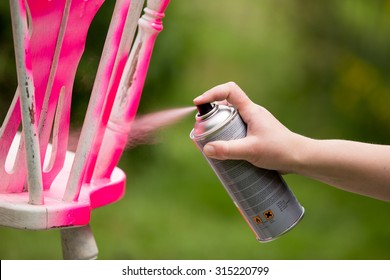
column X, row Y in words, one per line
column 63, row 194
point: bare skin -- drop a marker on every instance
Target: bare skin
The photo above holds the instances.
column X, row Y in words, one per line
column 356, row 167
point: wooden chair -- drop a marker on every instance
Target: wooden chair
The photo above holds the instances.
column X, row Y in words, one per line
column 45, row 186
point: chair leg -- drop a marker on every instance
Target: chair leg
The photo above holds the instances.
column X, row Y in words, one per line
column 78, row 243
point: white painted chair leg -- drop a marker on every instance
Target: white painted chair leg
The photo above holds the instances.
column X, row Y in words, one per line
column 78, row 244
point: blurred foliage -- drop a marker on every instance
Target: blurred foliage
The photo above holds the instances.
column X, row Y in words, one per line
column 321, row 67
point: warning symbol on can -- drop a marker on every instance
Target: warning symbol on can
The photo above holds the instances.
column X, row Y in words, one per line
column 257, row 220
column 268, row 214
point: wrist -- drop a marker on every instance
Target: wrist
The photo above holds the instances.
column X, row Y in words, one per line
column 299, row 153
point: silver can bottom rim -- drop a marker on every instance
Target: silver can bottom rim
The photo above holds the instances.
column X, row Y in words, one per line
column 269, row 239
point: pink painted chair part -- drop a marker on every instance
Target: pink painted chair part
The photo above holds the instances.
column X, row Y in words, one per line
column 45, row 186
column 50, row 50
column 102, row 100
column 110, row 70
column 55, row 46
column 130, row 90
column 26, row 113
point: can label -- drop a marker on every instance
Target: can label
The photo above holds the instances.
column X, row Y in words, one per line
column 261, row 195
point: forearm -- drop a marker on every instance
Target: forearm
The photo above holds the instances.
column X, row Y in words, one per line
column 352, row 166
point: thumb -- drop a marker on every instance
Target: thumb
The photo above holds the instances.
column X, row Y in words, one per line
column 233, row 149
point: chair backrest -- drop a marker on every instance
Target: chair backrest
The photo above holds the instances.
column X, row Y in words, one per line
column 49, row 40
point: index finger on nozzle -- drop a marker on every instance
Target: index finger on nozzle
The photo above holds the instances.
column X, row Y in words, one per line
column 229, row 91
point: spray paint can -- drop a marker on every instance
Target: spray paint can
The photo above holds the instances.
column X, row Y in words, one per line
column 262, row 196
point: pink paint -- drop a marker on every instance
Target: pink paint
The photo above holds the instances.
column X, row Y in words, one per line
column 116, row 76
column 86, row 150
column 45, row 48
column 140, row 133
column 130, row 90
column 55, row 212
column 13, row 181
column 45, row 25
column 7, row 133
column 43, row 41
column 54, row 46
column 144, row 126
column 126, row 39
column 79, row 19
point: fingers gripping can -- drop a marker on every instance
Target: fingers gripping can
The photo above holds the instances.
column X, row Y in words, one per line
column 262, row 196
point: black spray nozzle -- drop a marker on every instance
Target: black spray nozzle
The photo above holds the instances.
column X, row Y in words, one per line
column 204, row 108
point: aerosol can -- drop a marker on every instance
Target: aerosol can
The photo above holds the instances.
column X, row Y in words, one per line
column 262, row 196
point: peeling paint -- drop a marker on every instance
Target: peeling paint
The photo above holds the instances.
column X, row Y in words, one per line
column 31, row 112
column 27, row 92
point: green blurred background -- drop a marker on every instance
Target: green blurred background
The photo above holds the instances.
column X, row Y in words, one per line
column 320, row 67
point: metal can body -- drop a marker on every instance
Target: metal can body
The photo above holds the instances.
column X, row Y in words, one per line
column 262, row 196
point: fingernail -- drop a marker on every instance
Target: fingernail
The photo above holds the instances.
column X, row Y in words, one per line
column 209, row 150
column 197, row 98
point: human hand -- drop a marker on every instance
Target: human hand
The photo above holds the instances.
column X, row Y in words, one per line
column 268, row 144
